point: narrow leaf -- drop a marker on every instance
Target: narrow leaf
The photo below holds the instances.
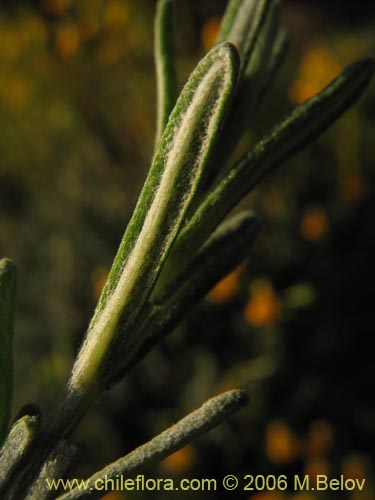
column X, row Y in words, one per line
column 224, row 251
column 179, row 162
column 279, row 49
column 7, row 296
column 200, row 421
column 21, row 436
column 241, row 25
column 60, row 464
column 250, row 87
column 294, row 132
column 166, row 80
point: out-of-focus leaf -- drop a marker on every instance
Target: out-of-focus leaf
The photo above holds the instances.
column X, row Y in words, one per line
column 166, row 79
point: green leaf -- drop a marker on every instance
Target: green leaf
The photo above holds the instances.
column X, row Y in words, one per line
column 277, row 55
column 228, row 246
column 200, row 421
column 241, row 25
column 294, row 132
column 165, row 65
column 180, row 160
column 60, row 464
column 252, row 83
column 19, row 441
column 7, row 296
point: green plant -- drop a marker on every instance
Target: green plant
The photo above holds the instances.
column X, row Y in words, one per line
column 178, row 243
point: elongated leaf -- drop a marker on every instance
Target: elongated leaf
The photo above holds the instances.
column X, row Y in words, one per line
column 179, row 162
column 251, row 85
column 200, row 421
column 279, row 49
column 294, row 132
column 7, row 296
column 230, row 20
column 21, row 436
column 241, row 25
column 60, row 464
column 224, row 251
column 256, row 68
column 166, row 79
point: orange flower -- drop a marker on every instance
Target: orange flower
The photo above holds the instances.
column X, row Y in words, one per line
column 17, row 93
column 264, row 307
column 352, row 187
column 180, row 461
column 318, row 67
column 319, row 438
column 314, row 223
column 210, row 31
column 282, row 446
column 67, row 40
column 226, row 289
column 116, row 15
column 315, row 467
column 354, row 467
column 114, row 495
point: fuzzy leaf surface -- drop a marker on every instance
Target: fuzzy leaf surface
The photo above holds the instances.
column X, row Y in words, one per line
column 178, row 165
column 195, row 424
column 241, row 25
column 293, row 133
column 223, row 252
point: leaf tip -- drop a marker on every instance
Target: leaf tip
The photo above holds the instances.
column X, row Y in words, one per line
column 229, row 53
column 8, row 268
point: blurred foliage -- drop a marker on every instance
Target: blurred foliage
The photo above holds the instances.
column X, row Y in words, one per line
column 293, row 325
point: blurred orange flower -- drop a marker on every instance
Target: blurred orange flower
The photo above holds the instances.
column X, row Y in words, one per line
column 314, row 223
column 116, row 15
column 316, row 466
column 321, row 63
column 318, row 67
column 319, row 438
column 226, row 289
column 114, row 495
column 209, row 32
column 15, row 92
column 263, row 307
column 354, row 466
column 180, row 461
column 282, row 446
column 352, row 187
column 67, row 40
